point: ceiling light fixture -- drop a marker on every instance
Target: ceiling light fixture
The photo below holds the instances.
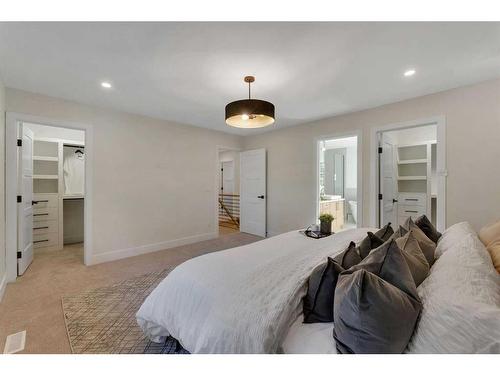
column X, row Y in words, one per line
column 250, row 113
column 106, row 85
column 410, row 72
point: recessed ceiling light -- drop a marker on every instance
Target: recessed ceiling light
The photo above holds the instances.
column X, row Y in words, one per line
column 106, row 85
column 410, row 72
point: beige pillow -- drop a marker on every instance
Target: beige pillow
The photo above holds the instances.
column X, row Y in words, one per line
column 490, row 237
column 415, row 258
column 427, row 246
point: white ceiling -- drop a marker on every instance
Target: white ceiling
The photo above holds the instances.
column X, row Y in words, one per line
column 188, row 72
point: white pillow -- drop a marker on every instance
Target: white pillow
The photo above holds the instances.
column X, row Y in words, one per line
column 460, row 297
column 457, row 327
column 451, row 235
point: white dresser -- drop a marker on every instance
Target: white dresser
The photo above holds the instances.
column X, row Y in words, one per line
column 46, row 220
column 411, row 205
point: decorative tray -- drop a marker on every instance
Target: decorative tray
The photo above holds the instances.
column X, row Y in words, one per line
column 316, row 234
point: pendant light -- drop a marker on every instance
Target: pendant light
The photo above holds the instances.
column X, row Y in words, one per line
column 249, row 113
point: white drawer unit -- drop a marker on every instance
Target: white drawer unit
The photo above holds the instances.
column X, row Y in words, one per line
column 45, row 240
column 412, row 199
column 45, row 226
column 46, row 220
column 44, row 214
column 409, row 210
column 45, row 201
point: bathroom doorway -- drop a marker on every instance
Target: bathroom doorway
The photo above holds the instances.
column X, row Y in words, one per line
column 338, row 181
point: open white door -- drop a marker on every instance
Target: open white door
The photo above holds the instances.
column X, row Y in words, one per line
column 227, row 169
column 253, row 192
column 25, row 208
column 388, row 208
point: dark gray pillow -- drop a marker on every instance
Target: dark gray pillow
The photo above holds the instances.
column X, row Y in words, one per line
column 426, row 226
column 371, row 315
column 415, row 258
column 370, row 242
column 318, row 302
column 376, row 304
column 349, row 257
column 385, row 232
column 427, row 246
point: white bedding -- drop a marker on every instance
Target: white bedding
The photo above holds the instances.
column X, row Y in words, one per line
column 316, row 338
column 241, row 300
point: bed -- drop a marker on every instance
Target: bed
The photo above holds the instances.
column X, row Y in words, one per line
column 248, row 299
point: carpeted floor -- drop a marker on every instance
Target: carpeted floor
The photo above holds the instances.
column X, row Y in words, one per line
column 33, row 302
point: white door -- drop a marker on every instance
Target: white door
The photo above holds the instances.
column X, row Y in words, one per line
column 25, row 208
column 227, row 170
column 253, row 192
column 388, row 208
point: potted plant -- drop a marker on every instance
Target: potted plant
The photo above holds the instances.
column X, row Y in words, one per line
column 326, row 223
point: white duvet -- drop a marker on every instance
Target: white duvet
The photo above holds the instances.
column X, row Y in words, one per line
column 241, row 300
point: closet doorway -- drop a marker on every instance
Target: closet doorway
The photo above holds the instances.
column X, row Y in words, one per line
column 47, row 172
column 410, row 173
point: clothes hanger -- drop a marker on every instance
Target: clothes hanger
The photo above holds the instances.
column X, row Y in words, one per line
column 79, row 152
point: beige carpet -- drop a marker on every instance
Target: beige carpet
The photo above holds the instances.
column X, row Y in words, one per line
column 103, row 320
column 33, row 302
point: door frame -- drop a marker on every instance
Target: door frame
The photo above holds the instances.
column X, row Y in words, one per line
column 359, row 193
column 441, row 171
column 11, row 184
column 218, row 150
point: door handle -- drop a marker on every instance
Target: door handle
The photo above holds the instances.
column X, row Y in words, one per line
column 394, row 201
column 260, row 197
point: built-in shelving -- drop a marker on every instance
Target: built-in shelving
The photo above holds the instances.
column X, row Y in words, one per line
column 45, row 176
column 412, row 178
column 413, row 161
column 46, row 158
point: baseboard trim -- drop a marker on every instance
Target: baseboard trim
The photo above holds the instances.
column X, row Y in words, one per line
column 151, row 248
column 272, row 234
column 3, row 285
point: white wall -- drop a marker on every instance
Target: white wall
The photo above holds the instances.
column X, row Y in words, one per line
column 2, row 190
column 472, row 152
column 154, row 181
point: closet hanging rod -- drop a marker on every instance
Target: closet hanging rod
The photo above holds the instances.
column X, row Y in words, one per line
column 74, row 146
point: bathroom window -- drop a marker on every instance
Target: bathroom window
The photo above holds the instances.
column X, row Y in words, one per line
column 337, row 181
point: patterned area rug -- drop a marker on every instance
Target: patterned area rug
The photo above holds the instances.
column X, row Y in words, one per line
column 103, row 320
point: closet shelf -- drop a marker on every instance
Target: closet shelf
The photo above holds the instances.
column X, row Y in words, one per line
column 73, row 196
column 413, row 161
column 45, row 176
column 46, row 158
column 411, row 178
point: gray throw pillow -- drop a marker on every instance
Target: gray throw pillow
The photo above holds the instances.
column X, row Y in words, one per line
column 426, row 226
column 370, row 242
column 400, row 232
column 376, row 304
column 415, row 258
column 349, row 257
column 372, row 315
column 318, row 302
column 385, row 232
column 427, row 246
